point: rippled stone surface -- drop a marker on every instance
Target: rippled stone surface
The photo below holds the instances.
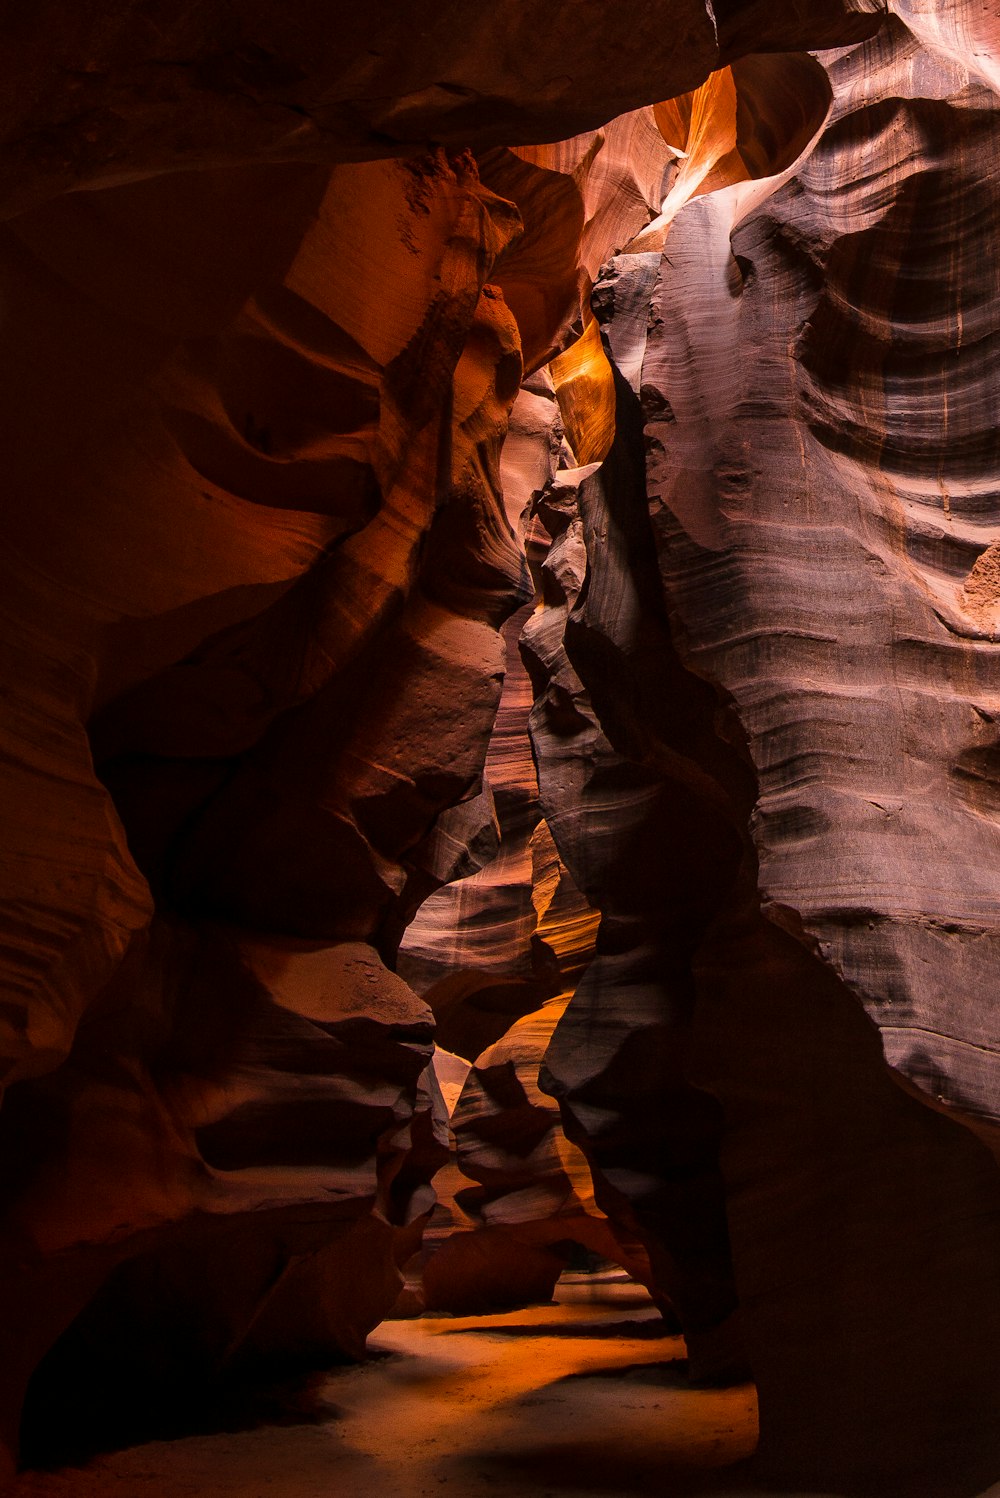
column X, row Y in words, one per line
column 228, row 753
column 812, row 349
column 264, row 569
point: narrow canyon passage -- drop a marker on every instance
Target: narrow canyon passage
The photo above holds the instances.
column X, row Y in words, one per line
column 500, row 749
column 583, row 1398
column 586, row 1397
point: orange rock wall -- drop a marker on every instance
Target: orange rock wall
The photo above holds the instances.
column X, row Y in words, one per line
column 801, row 557
column 223, row 663
column 266, row 321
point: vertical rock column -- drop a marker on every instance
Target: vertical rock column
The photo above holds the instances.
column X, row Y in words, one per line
column 262, row 520
column 819, row 464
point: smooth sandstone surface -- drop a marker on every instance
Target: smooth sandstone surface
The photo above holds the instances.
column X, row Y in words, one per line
column 99, row 97
column 410, row 546
column 804, row 339
column 208, row 859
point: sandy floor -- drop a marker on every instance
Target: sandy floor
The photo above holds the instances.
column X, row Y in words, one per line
column 584, row 1399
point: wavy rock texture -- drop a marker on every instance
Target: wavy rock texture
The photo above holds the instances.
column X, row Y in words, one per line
column 497, row 954
column 256, row 563
column 617, row 1061
column 532, row 1207
column 474, row 950
column 873, row 822
column 812, row 351
column 282, row 660
column 100, row 98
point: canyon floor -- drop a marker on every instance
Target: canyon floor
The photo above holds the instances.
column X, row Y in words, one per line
column 583, row 1398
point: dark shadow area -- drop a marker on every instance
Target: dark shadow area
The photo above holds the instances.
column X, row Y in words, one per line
column 645, row 1330
column 672, row 1373
column 605, row 1467
column 92, row 1425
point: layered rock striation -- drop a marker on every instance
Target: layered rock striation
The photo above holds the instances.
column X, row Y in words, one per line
column 222, row 665
column 805, row 347
column 265, row 566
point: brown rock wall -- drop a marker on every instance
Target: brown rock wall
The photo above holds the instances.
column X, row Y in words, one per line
column 878, row 463
column 104, row 98
column 277, row 592
column 795, row 462
column 256, row 563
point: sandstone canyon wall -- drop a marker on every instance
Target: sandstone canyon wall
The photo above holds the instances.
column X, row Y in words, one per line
column 269, row 550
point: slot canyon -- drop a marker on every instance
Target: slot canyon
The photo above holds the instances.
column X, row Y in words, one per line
column 500, row 873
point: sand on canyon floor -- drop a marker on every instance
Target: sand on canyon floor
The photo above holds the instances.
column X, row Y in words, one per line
column 584, row 1398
